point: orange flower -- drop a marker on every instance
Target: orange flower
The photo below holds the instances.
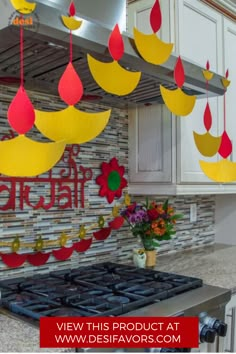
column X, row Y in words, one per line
column 154, row 224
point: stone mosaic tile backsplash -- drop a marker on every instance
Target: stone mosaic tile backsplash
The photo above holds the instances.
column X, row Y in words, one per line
column 28, row 224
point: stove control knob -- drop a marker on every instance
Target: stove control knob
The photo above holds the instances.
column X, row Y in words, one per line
column 206, row 334
column 219, row 326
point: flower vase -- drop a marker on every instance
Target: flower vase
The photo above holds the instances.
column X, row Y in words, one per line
column 150, row 258
column 139, row 258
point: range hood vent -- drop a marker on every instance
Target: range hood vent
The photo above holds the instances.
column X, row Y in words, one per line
column 46, row 54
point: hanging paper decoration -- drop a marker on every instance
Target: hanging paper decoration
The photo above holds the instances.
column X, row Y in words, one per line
column 71, row 124
column 63, row 253
column 101, row 221
column 21, row 156
column 177, row 101
column 102, row 234
column 39, row 258
column 111, row 180
column 63, row 239
column 82, row 232
column 226, row 144
column 13, row 260
column 70, row 87
column 207, row 144
column 20, row 113
column 223, row 171
column 69, row 21
column 83, row 245
column 150, row 47
column 112, row 77
column 23, row 6
column 75, row 126
column 15, row 245
column 117, row 223
column 39, row 244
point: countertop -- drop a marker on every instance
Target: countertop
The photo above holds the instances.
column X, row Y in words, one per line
column 216, row 265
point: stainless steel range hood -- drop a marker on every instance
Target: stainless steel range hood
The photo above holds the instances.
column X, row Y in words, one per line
column 46, row 52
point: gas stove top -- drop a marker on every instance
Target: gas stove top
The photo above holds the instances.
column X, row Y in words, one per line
column 105, row 289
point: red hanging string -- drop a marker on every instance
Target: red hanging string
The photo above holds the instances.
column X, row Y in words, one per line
column 225, row 110
column 71, row 47
column 21, row 52
column 207, row 87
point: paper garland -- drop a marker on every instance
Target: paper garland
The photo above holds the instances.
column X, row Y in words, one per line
column 112, row 77
column 149, row 46
column 38, row 258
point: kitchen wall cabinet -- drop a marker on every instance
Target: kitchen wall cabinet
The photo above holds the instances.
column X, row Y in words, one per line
column 200, row 33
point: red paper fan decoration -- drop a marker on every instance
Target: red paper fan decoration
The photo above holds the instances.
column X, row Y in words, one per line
column 207, row 117
column 117, row 223
column 72, row 9
column 63, row 253
column 179, row 75
column 102, row 234
column 225, row 146
column 38, row 258
column 82, row 245
column 20, row 113
column 116, row 44
column 14, row 260
column 156, row 17
column 70, row 87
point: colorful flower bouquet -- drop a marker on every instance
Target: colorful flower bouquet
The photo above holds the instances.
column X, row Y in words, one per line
column 151, row 222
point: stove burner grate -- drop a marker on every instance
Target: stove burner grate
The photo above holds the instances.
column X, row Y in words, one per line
column 105, row 289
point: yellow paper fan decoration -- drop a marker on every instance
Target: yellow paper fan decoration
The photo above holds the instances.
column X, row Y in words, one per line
column 222, row 171
column 177, row 101
column 72, row 125
column 23, row 6
column 112, row 78
column 71, row 23
column 23, row 157
column 151, row 48
column 207, row 144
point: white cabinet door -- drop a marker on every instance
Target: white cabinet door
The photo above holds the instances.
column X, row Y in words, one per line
column 150, row 144
column 199, row 40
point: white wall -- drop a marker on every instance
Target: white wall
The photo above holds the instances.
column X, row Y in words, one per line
column 225, row 215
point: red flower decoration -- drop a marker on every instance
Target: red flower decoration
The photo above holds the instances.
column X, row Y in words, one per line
column 111, row 180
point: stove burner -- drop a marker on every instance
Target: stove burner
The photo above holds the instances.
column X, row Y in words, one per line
column 118, row 299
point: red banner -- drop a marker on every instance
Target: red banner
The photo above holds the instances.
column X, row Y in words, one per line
column 118, row 332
